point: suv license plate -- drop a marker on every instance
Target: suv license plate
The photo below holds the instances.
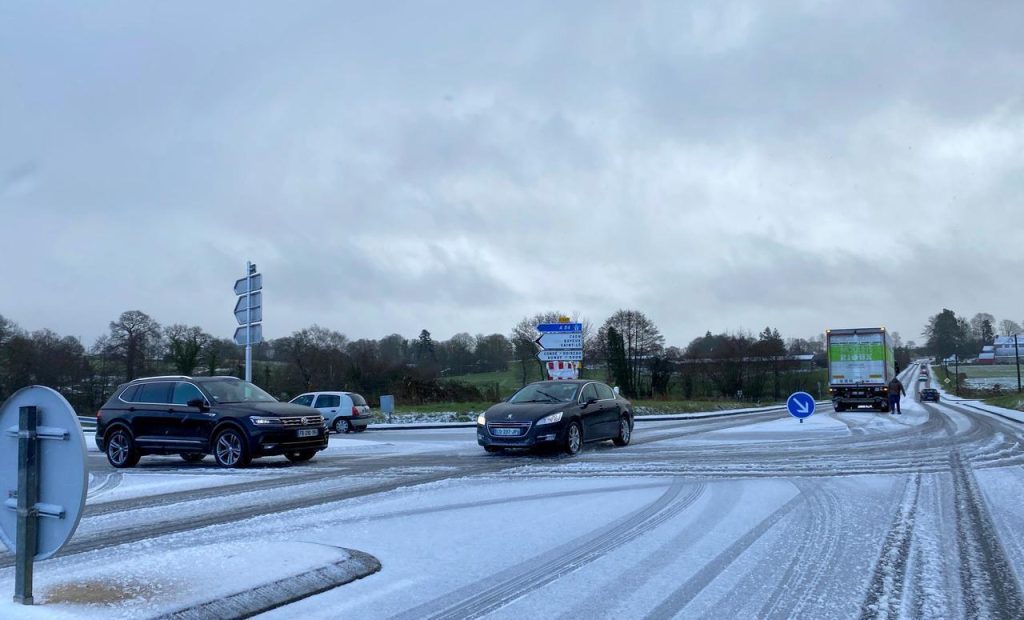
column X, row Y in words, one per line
column 307, row 432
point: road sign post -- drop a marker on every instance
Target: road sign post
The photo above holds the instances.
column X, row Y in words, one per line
column 249, row 313
column 800, row 405
column 28, row 496
column 43, row 480
column 1016, row 353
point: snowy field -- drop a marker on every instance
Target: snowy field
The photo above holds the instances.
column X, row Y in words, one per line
column 852, row 515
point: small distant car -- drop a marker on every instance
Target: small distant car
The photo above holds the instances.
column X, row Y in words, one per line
column 556, row 414
column 929, row 394
column 923, row 378
column 344, row 412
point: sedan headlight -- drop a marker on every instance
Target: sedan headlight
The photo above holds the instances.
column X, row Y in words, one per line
column 550, row 419
column 481, row 420
column 263, row 420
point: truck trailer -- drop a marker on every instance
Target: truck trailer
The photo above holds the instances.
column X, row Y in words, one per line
column 860, row 366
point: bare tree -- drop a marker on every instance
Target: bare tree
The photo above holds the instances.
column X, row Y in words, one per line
column 134, row 339
column 1008, row 327
column 640, row 337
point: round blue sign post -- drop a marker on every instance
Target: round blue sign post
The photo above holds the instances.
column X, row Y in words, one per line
column 800, row 405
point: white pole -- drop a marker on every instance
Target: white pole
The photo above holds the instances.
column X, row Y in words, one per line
column 248, row 321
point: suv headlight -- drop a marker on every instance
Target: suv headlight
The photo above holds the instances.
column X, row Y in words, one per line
column 481, row 420
column 259, row 420
column 550, row 419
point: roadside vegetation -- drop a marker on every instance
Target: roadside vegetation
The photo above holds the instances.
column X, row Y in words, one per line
column 1006, row 396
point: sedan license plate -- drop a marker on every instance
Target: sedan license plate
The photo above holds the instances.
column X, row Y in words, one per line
column 506, row 431
column 307, row 432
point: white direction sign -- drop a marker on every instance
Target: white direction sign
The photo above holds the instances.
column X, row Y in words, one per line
column 241, row 334
column 557, row 355
column 567, row 340
column 242, row 284
column 242, row 308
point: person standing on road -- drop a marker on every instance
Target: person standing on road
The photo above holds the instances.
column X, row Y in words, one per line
column 895, row 389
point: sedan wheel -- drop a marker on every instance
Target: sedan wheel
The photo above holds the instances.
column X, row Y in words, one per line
column 573, row 438
column 121, row 450
column 338, row 425
column 624, row 432
column 229, row 449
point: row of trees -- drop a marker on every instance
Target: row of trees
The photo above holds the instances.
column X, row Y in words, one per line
column 312, row 358
column 948, row 334
column 627, row 347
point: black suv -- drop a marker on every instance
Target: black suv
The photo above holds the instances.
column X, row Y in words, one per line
column 195, row 416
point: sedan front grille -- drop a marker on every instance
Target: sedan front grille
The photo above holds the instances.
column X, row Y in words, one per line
column 508, row 429
column 305, row 420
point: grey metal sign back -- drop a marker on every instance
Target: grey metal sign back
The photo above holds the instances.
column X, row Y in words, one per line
column 63, row 476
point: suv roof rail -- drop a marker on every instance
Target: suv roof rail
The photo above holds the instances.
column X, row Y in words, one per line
column 160, row 377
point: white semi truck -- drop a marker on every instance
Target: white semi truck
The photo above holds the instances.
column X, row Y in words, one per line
column 860, row 366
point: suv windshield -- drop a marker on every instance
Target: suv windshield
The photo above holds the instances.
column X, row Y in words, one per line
column 236, row 391
column 544, row 393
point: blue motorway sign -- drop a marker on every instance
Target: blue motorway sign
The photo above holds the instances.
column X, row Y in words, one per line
column 560, row 327
column 800, row 405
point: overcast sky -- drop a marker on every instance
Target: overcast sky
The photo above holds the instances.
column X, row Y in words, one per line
column 456, row 166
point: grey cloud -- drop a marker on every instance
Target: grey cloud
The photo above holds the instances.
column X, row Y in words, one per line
column 457, row 167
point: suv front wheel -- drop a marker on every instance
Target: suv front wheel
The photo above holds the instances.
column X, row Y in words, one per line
column 230, row 449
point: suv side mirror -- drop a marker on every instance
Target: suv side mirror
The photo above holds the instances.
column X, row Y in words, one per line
column 199, row 404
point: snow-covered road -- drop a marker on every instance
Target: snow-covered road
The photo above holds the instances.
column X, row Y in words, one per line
column 847, row 515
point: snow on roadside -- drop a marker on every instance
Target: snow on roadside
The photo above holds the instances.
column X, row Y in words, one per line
column 134, row 485
column 146, row 582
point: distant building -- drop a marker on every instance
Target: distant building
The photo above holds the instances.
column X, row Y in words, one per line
column 1001, row 351
column 1004, row 350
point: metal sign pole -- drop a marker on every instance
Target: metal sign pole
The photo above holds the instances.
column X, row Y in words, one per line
column 28, row 496
column 248, row 322
column 956, row 365
column 1016, row 352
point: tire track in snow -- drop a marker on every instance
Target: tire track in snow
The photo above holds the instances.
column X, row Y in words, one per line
column 681, row 597
column 818, row 531
column 723, row 498
column 885, row 590
column 231, row 514
column 494, row 592
column 109, row 482
column 988, row 585
column 288, row 477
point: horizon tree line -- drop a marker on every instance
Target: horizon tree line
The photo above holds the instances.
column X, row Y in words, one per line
column 627, row 347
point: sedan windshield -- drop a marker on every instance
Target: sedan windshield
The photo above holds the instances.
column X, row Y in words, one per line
column 545, row 393
column 236, row 391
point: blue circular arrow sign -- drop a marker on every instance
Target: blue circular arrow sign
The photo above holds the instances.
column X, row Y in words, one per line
column 800, row 405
